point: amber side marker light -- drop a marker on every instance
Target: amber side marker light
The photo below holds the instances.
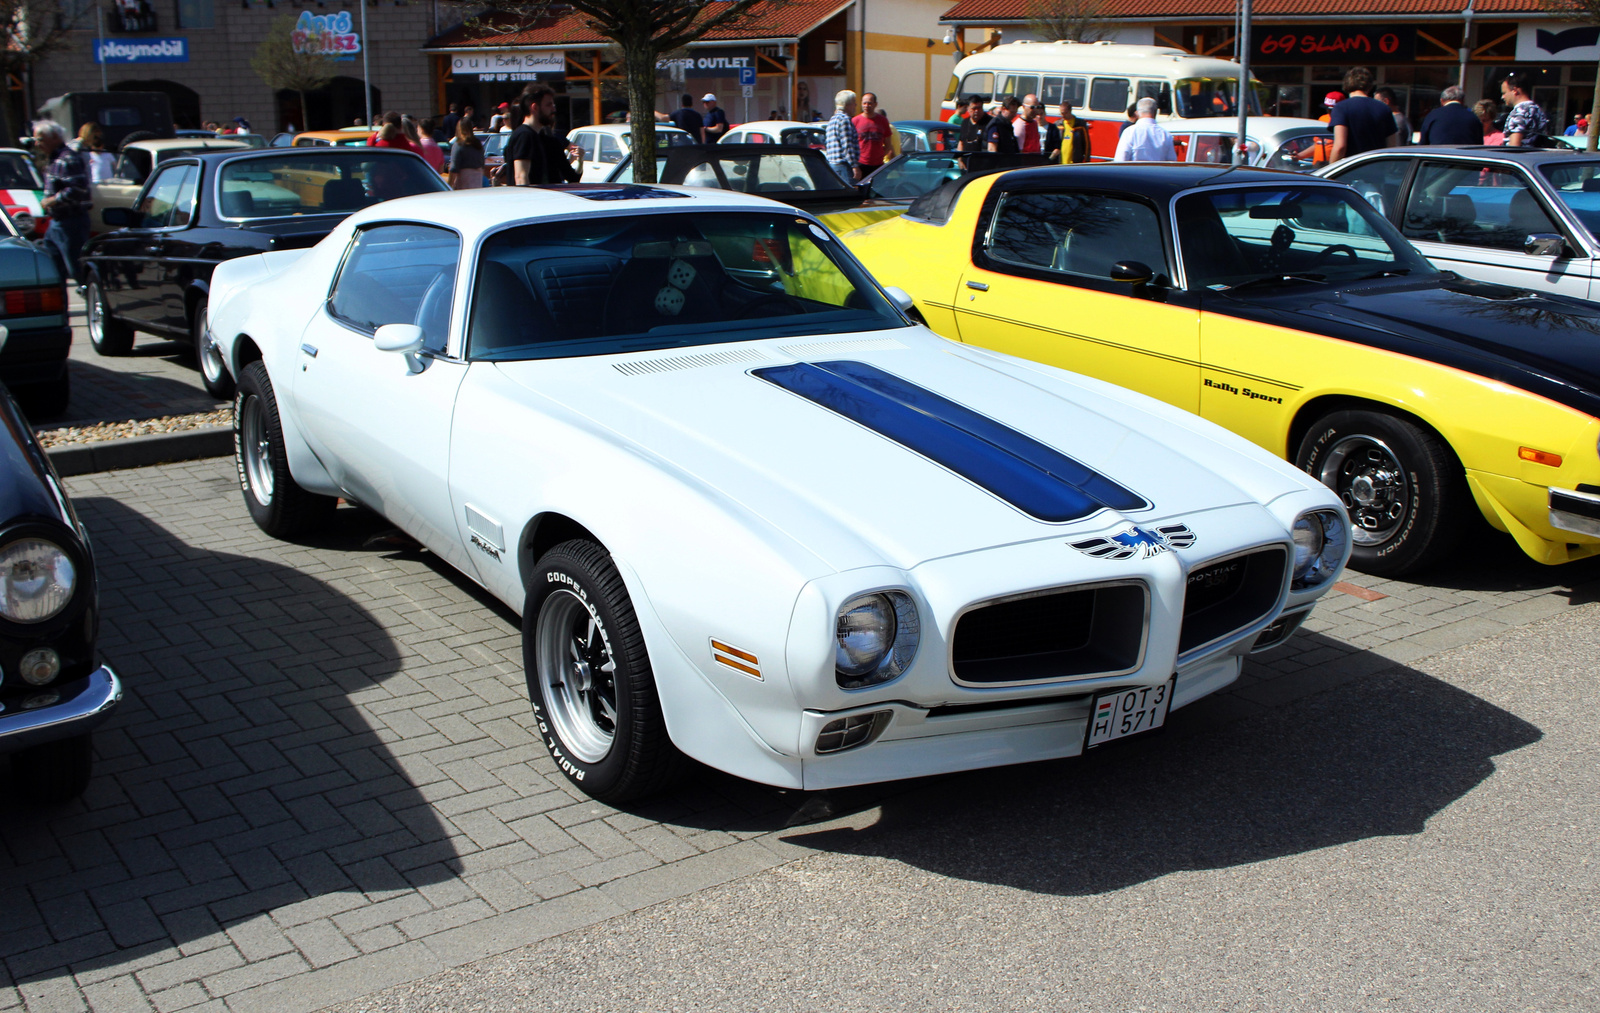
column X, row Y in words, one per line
column 1539, row 456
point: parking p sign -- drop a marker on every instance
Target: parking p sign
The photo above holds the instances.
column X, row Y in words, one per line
column 747, row 76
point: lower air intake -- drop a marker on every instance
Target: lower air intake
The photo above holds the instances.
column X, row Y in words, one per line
column 852, row 731
column 1064, row 634
column 1230, row 594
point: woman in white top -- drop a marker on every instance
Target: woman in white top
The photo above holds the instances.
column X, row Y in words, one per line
column 91, row 145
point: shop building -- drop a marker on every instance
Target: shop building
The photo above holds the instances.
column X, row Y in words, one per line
column 198, row 52
column 1301, row 48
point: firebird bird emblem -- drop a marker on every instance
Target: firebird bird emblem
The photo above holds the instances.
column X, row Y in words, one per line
column 1136, row 541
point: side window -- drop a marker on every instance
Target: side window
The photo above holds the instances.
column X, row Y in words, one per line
column 1080, row 234
column 610, row 150
column 1075, row 90
column 1473, row 205
column 1158, row 90
column 1378, row 181
column 183, row 208
column 782, row 174
column 1109, row 94
column 979, row 83
column 399, row 274
column 1019, row 84
column 1050, row 89
column 585, row 141
column 1212, row 148
column 755, row 137
column 164, row 195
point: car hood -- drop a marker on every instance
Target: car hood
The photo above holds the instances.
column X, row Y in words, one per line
column 1547, row 345
column 737, row 420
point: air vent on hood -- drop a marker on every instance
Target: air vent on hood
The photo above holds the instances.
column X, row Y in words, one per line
column 639, row 367
column 821, row 348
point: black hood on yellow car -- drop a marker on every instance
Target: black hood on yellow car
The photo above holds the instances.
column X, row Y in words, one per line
column 1546, row 345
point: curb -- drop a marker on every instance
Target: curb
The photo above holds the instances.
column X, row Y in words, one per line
column 142, row 451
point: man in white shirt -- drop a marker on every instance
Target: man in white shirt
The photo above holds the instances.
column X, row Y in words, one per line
column 1145, row 141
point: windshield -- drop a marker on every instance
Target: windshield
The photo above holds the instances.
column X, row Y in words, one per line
column 1233, row 237
column 1211, row 96
column 642, row 282
column 1577, row 183
column 915, row 175
column 17, row 173
column 318, row 181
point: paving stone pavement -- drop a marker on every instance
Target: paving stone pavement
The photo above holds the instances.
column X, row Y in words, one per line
column 158, row 378
column 322, row 781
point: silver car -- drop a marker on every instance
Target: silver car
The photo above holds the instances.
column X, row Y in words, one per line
column 1526, row 217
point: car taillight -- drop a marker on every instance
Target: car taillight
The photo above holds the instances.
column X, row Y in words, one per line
column 44, row 299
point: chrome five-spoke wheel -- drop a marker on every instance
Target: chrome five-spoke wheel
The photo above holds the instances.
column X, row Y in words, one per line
column 577, row 675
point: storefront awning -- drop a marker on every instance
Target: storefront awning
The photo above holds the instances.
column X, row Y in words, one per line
column 775, row 22
column 987, row 13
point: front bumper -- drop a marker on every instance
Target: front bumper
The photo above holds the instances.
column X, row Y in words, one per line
column 80, row 705
column 34, row 354
column 1575, row 511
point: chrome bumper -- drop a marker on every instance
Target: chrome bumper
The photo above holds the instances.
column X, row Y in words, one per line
column 83, row 704
column 1578, row 512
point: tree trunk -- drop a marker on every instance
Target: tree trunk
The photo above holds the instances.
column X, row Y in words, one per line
column 639, row 64
column 9, row 138
column 305, row 121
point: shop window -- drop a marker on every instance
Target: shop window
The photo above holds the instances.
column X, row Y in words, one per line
column 197, row 14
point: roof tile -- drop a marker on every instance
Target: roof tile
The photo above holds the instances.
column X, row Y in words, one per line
column 774, row 19
column 1017, row 10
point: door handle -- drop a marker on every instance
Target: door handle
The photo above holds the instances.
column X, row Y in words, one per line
column 979, row 285
column 310, row 350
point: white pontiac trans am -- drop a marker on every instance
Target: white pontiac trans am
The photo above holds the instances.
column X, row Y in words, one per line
column 747, row 509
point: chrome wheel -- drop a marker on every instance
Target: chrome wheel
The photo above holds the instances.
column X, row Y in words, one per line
column 1371, row 481
column 577, row 675
column 95, row 314
column 206, row 351
column 256, row 449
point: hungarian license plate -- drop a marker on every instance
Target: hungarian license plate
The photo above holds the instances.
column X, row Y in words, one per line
column 1128, row 712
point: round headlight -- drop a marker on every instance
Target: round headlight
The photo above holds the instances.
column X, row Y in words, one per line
column 875, row 638
column 1320, row 539
column 1307, row 543
column 40, row 665
column 36, row 580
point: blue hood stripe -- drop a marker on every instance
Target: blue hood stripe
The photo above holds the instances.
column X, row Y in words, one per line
column 1032, row 477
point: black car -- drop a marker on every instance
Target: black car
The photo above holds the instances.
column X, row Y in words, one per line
column 801, row 176
column 153, row 272
column 53, row 690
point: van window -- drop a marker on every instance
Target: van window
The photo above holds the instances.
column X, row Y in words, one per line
column 1055, row 90
column 1109, row 95
column 979, row 84
column 1019, row 85
column 1161, row 91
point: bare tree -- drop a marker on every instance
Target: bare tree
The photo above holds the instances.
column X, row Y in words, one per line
column 1588, row 12
column 1071, row 20
column 286, row 67
column 642, row 32
column 33, row 30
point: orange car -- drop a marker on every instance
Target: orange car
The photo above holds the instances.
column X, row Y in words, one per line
column 352, row 137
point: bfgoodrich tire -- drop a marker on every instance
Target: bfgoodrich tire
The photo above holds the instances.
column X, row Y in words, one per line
column 1404, row 488
column 54, row 771
column 107, row 334
column 276, row 502
column 589, row 678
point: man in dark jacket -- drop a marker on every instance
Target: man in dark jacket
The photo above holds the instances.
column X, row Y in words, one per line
column 1452, row 122
column 1067, row 141
column 66, row 196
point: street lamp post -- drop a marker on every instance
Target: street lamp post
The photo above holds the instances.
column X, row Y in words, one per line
column 366, row 68
column 1241, row 153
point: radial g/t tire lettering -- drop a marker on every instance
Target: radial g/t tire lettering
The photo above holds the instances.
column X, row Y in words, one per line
column 276, row 502
column 1404, row 488
column 589, row 678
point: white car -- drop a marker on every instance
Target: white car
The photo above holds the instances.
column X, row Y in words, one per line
column 775, row 132
column 606, row 144
column 747, row 509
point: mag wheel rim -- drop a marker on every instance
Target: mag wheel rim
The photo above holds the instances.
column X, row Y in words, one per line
column 256, row 449
column 577, row 675
column 210, row 358
column 96, row 324
column 1371, row 481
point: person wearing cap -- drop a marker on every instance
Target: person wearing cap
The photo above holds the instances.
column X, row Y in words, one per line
column 1330, row 100
column 716, row 120
column 241, row 125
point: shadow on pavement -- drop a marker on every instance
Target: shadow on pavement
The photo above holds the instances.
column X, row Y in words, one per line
column 101, row 393
column 236, row 777
column 1489, row 560
column 1378, row 757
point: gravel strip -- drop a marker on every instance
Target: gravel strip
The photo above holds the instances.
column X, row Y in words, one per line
column 102, row 431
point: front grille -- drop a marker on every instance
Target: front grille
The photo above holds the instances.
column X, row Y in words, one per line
column 1229, row 595
column 1055, row 635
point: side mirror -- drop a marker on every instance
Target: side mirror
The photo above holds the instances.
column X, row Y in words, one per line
column 1132, row 272
column 1544, row 244
column 121, row 218
column 403, row 338
column 901, row 298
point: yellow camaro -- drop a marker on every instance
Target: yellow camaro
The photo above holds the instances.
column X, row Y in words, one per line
column 1288, row 310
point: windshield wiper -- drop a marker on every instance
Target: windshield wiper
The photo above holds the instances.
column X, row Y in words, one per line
column 1393, row 272
column 1275, row 279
